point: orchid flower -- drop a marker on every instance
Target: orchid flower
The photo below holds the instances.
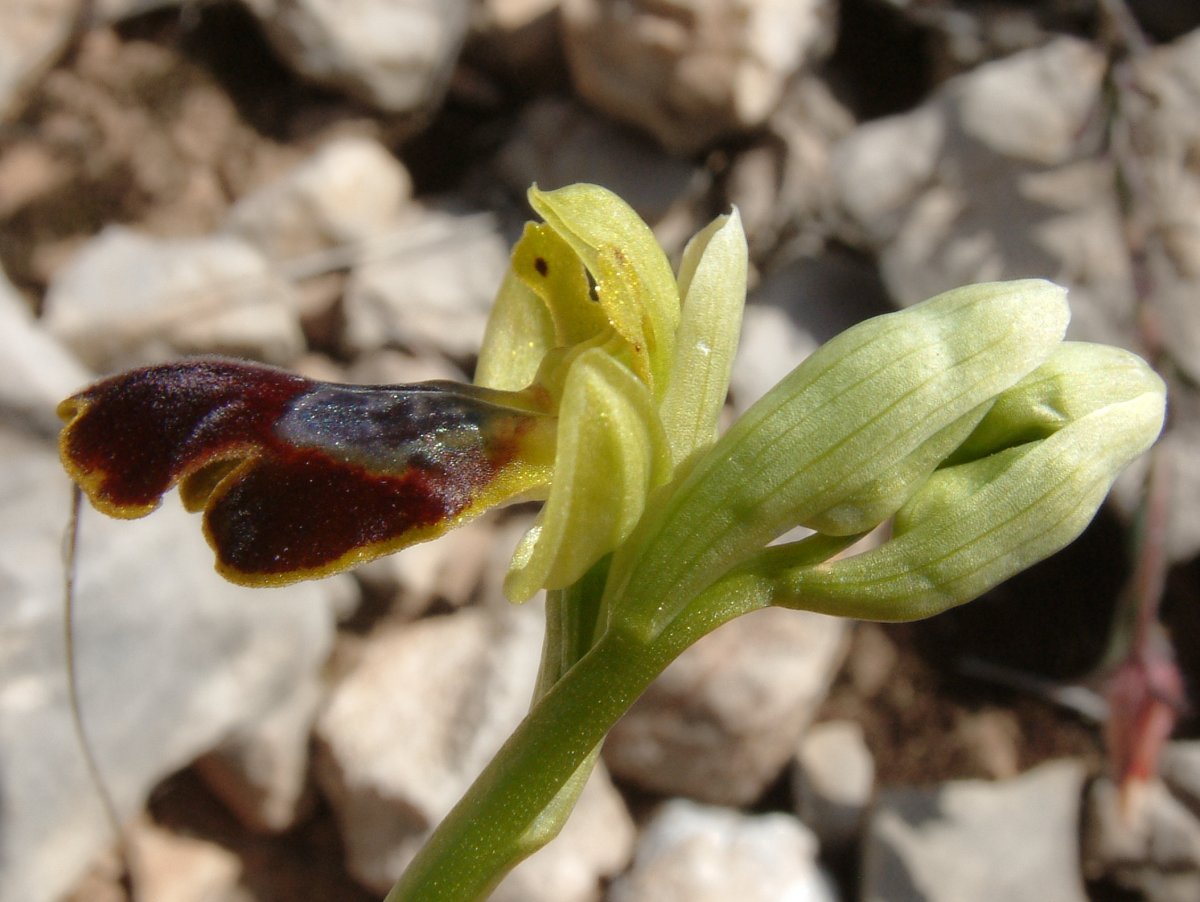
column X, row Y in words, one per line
column 967, row 421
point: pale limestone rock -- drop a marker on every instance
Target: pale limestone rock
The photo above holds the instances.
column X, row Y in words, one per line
column 260, row 772
column 792, row 312
column 36, row 372
column 171, row 659
column 32, row 34
column 833, row 781
column 597, row 842
column 971, row 839
column 1151, row 850
column 694, row 853
column 1180, row 770
column 396, row 55
column 408, row 728
column 558, row 142
column 432, row 290
column 404, row 732
column 997, row 176
column 169, row 867
column 517, row 37
column 128, row 299
column 1004, row 173
column 687, row 71
column 1165, row 129
column 1032, row 107
column 344, row 194
column 391, row 367
column 772, row 345
column 781, row 182
column 723, row 719
column 447, row 569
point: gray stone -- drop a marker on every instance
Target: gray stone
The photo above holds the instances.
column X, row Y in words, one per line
column 391, row 367
column 1151, row 849
column 392, row 763
column 781, row 183
column 344, row 194
column 1005, row 173
column 996, row 177
column 260, row 771
column 1032, row 107
column 833, row 781
column 1179, row 768
column 970, row 839
column 694, row 853
column 127, row 299
column 792, row 312
column 1164, row 126
column 771, row 346
column 36, row 372
column 558, row 142
column 32, row 34
column 432, row 291
column 171, row 867
column 519, row 38
column 596, row 843
column 447, row 569
column 724, row 718
column 171, row 659
column 694, row 71
column 396, row 55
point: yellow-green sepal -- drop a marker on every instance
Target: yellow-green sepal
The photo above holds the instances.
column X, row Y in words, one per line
column 519, row 334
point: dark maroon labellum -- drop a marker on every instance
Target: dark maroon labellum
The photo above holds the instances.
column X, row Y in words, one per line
column 300, row 478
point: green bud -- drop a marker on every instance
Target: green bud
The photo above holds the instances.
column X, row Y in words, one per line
column 842, row 442
column 977, row 523
column 1077, row 378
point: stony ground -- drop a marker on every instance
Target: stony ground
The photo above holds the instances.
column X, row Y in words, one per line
column 195, row 177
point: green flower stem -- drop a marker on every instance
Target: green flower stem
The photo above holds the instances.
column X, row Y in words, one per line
column 524, row 794
column 487, row 833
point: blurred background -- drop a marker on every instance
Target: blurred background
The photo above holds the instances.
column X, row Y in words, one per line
column 333, row 187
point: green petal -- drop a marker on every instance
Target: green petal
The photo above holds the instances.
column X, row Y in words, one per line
column 610, row 454
column 839, row 442
column 634, row 282
column 712, row 280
